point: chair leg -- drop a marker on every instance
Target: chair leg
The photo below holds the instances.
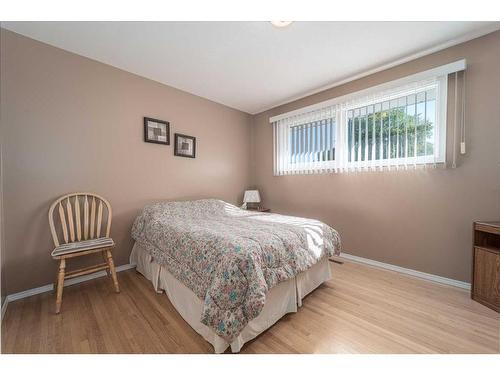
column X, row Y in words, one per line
column 104, row 256
column 54, row 286
column 60, row 284
column 111, row 265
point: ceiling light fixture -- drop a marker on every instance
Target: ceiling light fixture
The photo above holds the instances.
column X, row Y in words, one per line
column 281, row 23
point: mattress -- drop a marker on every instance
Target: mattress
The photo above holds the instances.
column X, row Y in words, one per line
column 282, row 299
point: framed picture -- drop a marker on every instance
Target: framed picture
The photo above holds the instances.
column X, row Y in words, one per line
column 156, row 131
column 184, row 145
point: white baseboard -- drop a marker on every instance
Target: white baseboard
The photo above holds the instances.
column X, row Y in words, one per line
column 49, row 287
column 407, row 271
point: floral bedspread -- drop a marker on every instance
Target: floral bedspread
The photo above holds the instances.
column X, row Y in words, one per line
column 230, row 257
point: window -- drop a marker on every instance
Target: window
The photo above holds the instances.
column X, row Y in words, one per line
column 398, row 125
column 306, row 142
column 314, row 142
column 395, row 131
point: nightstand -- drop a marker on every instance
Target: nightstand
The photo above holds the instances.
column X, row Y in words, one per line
column 259, row 209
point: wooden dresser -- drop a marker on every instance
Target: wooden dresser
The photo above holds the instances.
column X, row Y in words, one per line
column 486, row 264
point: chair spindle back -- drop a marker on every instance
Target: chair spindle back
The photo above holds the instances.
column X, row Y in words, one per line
column 69, row 210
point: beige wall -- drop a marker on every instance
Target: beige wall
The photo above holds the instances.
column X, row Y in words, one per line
column 73, row 124
column 416, row 219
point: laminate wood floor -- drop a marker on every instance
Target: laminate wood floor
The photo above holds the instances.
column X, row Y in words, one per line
column 361, row 310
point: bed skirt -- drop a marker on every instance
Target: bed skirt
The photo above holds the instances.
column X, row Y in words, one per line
column 281, row 299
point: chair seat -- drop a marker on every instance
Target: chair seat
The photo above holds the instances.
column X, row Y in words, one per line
column 74, row 247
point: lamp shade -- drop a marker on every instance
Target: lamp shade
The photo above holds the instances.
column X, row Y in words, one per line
column 251, row 196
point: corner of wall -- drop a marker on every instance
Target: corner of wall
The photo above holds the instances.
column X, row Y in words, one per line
column 2, row 236
column 3, row 287
column 252, row 163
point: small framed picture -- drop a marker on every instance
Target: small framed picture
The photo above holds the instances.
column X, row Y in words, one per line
column 184, row 145
column 156, row 131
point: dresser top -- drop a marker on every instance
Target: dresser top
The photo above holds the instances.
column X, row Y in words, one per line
column 495, row 224
column 488, row 226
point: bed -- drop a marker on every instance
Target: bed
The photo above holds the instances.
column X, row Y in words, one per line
column 231, row 273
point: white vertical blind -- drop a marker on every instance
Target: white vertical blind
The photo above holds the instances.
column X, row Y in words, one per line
column 305, row 143
column 399, row 128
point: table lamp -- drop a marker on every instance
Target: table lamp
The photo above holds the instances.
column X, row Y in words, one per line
column 251, row 199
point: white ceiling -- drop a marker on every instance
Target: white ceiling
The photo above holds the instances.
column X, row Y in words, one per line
column 251, row 66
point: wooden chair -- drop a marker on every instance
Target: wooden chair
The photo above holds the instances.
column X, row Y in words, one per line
column 73, row 210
